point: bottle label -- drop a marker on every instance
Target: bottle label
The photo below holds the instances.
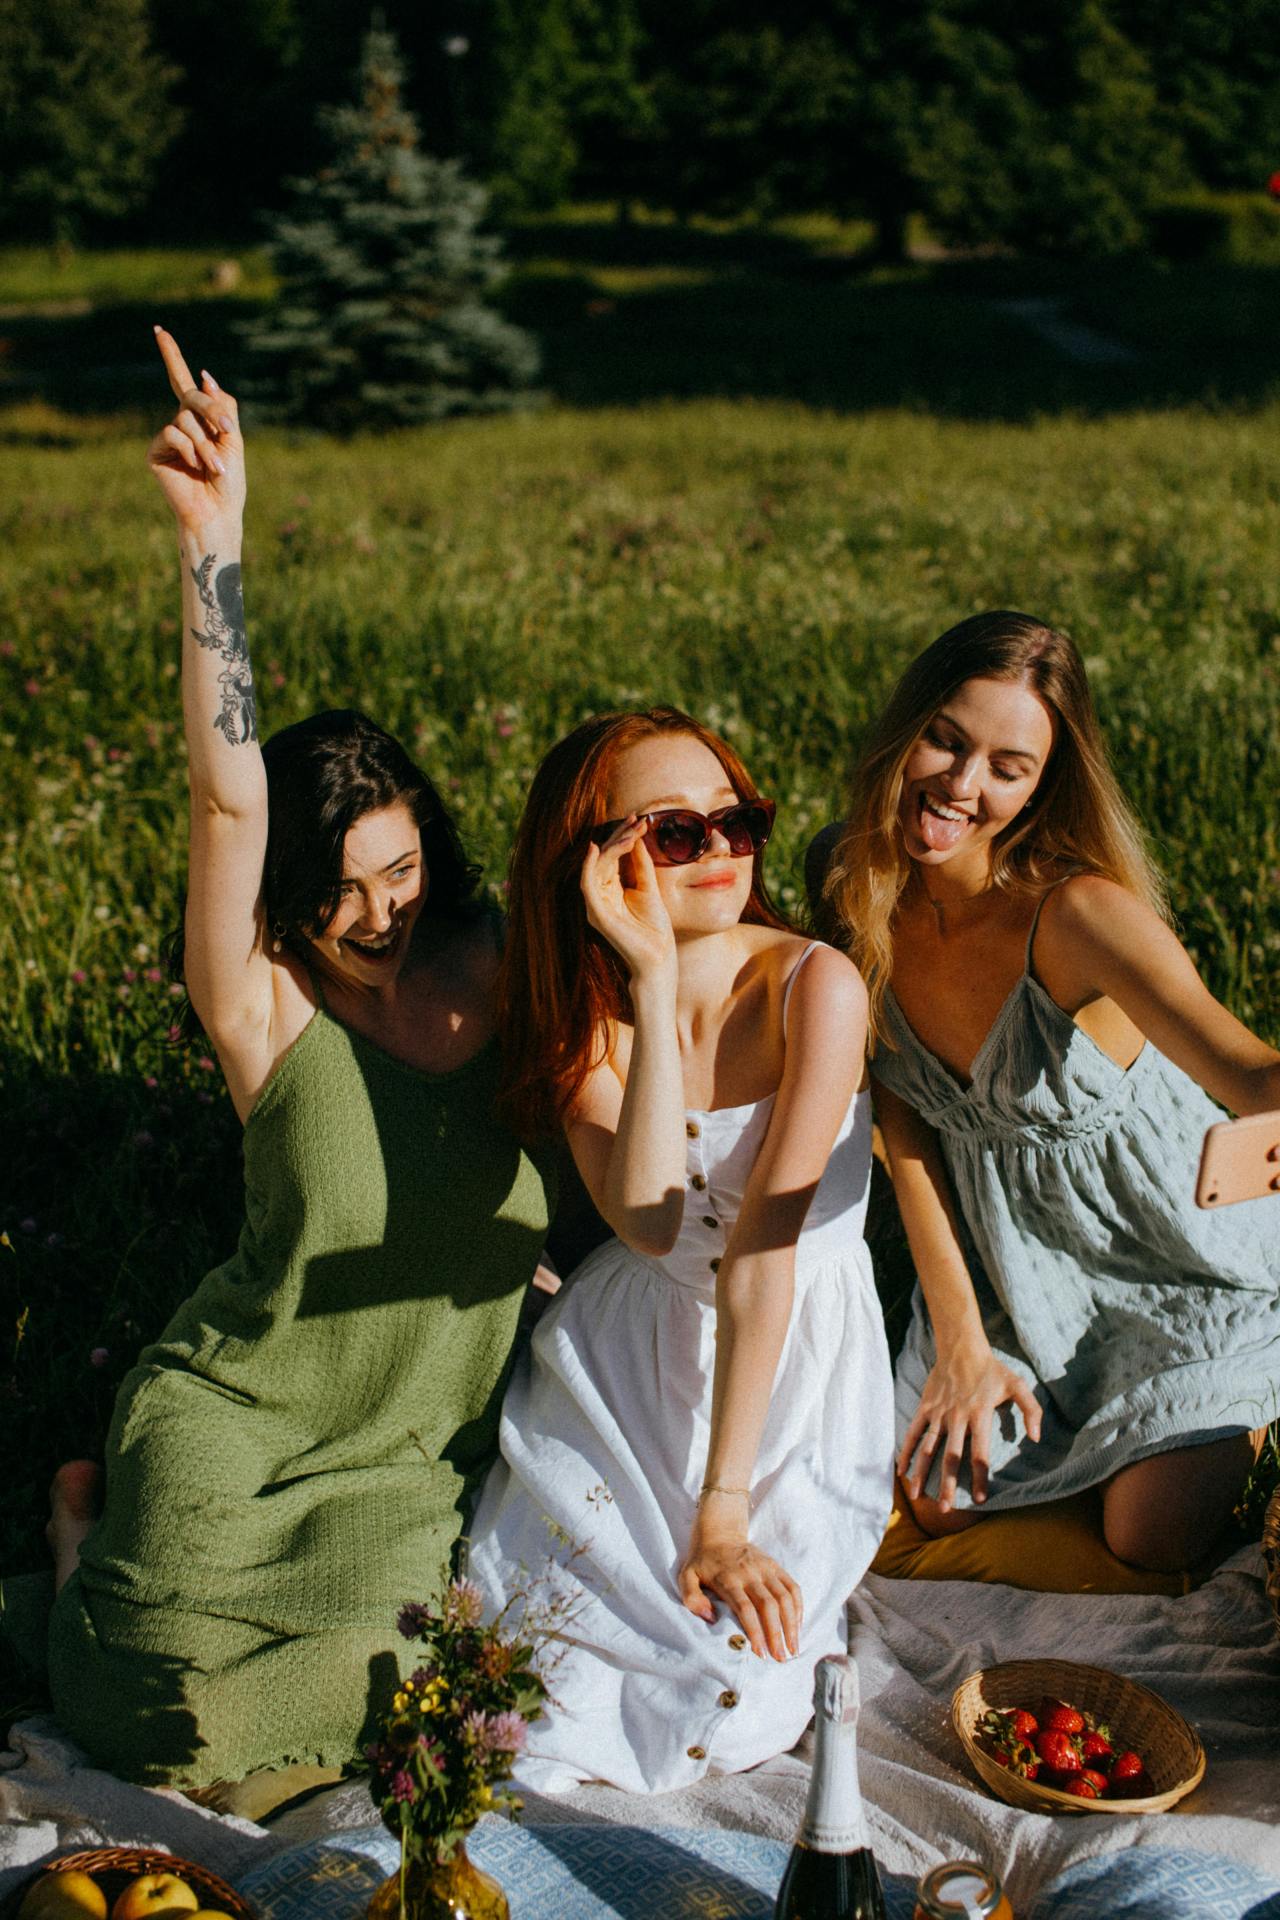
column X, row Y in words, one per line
column 822, row 1837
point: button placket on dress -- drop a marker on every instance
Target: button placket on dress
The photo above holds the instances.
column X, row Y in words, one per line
column 725, row 1699
column 698, row 1185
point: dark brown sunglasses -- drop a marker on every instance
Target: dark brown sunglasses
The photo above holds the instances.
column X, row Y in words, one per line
column 677, row 835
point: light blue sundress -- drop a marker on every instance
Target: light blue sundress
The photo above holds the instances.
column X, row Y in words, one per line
column 1142, row 1321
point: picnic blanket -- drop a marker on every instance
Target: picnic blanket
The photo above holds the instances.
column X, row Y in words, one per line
column 1213, row 1654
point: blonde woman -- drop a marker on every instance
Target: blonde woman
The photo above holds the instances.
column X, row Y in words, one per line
column 1046, row 1060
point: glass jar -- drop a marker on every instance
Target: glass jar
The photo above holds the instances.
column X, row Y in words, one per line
column 454, row 1889
column 961, row 1890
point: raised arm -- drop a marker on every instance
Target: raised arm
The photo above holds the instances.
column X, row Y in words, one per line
column 1097, row 938
column 629, row 1144
column 755, row 1290
column 967, row 1382
column 198, row 461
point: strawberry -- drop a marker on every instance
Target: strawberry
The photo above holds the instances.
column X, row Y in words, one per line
column 1024, row 1724
column 1005, row 1746
column 1095, row 1749
column 1127, row 1765
column 1135, row 1786
column 1057, row 1749
column 1082, row 1788
column 1059, row 1716
column 1098, row 1781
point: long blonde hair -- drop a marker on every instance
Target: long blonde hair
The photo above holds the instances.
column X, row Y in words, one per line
column 1077, row 817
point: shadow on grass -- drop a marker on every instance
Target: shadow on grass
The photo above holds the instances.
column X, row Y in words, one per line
column 633, row 315
column 117, row 1198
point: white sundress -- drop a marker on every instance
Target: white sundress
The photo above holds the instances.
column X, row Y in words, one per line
column 604, row 1441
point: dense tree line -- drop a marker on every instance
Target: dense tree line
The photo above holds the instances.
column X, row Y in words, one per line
column 1057, row 126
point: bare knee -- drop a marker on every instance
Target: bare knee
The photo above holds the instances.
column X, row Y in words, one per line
column 937, row 1521
column 1166, row 1513
column 1151, row 1544
column 75, row 1498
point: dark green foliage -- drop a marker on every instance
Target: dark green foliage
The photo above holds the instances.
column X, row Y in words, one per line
column 384, row 266
column 85, row 113
column 1040, row 130
column 532, row 149
column 1216, row 68
column 1241, row 228
column 1044, row 132
column 570, row 109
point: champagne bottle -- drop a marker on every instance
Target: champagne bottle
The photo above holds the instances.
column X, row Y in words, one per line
column 831, row 1874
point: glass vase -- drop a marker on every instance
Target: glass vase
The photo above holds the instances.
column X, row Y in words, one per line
column 455, row 1889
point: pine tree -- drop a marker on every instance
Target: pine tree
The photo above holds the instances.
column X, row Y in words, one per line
column 384, row 267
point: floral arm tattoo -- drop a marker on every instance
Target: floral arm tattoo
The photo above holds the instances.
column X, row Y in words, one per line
column 225, row 634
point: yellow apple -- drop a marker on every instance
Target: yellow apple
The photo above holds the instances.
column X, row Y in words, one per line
column 64, row 1896
column 155, row 1896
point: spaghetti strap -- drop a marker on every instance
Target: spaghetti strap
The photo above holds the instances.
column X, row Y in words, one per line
column 792, row 978
column 1035, row 918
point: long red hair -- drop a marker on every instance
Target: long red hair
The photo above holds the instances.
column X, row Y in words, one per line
column 563, row 990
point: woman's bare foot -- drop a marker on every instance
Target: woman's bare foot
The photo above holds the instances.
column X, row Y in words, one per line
column 74, row 1500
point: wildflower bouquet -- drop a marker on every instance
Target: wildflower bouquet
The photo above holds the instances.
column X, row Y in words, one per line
column 456, row 1725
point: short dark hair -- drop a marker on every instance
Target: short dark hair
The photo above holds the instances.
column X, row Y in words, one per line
column 323, row 774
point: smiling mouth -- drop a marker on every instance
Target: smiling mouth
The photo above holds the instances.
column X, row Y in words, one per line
column 725, row 879
column 941, row 825
column 376, row 948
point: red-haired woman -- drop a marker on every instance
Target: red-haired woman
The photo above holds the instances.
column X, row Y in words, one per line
column 706, row 1409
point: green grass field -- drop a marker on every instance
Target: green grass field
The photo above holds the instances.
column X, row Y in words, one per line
column 756, row 491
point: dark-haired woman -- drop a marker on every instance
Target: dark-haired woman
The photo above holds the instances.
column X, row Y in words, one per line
column 293, row 1458
column 1046, row 1062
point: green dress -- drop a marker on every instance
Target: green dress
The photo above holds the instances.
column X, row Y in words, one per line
column 294, row 1458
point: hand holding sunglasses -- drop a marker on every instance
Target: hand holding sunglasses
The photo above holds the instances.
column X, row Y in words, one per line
column 677, row 836
column 631, row 915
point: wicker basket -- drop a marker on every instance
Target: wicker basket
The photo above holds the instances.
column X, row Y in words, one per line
column 1271, row 1553
column 1138, row 1718
column 114, row 1867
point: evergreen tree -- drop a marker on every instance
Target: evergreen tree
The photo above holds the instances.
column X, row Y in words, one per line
column 384, row 267
column 533, row 152
column 85, row 113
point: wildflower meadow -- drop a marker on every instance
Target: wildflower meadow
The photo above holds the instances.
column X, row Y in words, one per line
column 769, row 555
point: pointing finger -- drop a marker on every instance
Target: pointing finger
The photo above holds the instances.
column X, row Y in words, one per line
column 174, row 365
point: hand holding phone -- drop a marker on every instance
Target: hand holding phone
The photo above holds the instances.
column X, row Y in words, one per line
column 1240, row 1160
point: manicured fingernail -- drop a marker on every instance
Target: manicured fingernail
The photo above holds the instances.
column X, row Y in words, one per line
column 229, row 426
column 218, row 466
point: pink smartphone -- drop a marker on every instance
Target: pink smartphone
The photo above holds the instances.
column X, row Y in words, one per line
column 1240, row 1160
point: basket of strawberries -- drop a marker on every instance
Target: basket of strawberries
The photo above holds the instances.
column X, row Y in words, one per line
column 1052, row 1736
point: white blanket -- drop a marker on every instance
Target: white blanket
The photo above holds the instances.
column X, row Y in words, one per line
column 1213, row 1654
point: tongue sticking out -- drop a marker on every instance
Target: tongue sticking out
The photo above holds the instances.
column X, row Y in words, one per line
column 939, row 835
